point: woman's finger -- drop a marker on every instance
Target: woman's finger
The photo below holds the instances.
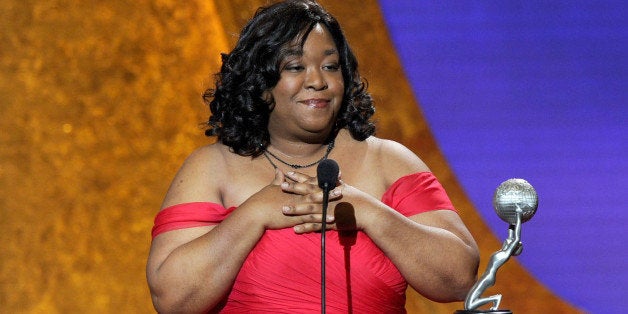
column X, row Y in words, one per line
column 279, row 177
column 299, row 188
column 312, row 227
column 301, row 178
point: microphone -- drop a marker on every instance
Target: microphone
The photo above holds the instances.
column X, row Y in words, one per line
column 327, row 174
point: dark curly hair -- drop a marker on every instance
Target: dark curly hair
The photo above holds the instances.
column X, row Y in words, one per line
column 239, row 114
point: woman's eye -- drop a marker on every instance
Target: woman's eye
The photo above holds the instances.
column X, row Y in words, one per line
column 293, row 68
column 332, row 67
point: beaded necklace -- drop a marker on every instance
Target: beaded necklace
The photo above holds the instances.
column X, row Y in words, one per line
column 330, row 146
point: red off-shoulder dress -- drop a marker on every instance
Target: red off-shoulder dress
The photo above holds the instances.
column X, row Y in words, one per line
column 282, row 274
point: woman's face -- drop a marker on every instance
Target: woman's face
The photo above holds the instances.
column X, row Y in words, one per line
column 309, row 92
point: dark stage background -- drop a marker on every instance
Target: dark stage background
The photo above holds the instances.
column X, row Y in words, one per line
column 537, row 90
column 100, row 104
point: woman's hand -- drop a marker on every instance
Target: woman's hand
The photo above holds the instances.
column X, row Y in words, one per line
column 306, row 204
column 295, row 203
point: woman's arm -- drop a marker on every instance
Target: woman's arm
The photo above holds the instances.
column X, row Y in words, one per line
column 434, row 251
column 192, row 270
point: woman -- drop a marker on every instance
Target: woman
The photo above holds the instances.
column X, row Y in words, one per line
column 239, row 229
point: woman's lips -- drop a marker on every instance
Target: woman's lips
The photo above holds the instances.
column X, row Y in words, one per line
column 316, row 103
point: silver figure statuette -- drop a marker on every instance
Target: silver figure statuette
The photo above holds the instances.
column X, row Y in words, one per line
column 515, row 202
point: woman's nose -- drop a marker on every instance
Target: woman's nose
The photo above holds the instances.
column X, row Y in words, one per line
column 315, row 79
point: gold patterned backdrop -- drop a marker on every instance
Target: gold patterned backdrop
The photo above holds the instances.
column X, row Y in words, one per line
column 99, row 105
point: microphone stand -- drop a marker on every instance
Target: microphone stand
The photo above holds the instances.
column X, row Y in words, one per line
column 323, row 232
column 327, row 174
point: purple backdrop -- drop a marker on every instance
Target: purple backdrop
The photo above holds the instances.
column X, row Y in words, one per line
column 536, row 90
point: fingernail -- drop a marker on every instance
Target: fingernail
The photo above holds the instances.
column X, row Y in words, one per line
column 285, row 209
column 285, row 185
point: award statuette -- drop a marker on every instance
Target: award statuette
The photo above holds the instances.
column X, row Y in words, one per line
column 515, row 202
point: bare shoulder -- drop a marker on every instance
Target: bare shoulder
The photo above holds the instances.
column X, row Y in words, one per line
column 198, row 178
column 395, row 159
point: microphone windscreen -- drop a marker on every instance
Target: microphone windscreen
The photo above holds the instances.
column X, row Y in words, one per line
column 327, row 173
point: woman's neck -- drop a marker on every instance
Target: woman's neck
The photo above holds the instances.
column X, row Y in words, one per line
column 295, row 149
column 303, row 146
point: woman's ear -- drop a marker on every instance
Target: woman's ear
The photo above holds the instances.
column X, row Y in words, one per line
column 267, row 97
